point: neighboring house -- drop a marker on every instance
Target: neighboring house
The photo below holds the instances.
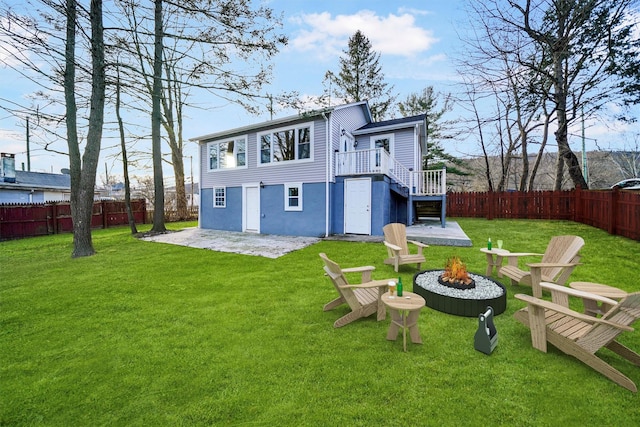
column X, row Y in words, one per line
column 192, row 193
column 31, row 187
column 332, row 171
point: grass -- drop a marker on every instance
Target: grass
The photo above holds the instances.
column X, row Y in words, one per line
column 152, row 334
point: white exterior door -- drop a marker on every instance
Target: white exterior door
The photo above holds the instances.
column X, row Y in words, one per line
column 357, row 206
column 251, row 208
column 347, row 165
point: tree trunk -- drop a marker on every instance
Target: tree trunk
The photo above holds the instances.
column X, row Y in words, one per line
column 156, row 123
column 559, row 173
column 83, row 170
column 543, row 144
column 565, row 154
column 560, row 86
column 125, row 163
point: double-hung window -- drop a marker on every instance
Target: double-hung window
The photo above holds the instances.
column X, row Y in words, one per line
column 228, row 154
column 285, row 145
column 293, row 196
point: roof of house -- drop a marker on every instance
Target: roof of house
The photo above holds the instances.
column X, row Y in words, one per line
column 389, row 125
column 280, row 121
column 39, row 180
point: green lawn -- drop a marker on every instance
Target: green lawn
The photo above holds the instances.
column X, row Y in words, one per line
column 146, row 334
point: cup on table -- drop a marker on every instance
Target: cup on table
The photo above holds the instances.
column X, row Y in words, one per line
column 499, row 244
column 392, row 288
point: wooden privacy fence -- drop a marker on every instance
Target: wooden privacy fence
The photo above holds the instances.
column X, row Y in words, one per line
column 616, row 211
column 28, row 220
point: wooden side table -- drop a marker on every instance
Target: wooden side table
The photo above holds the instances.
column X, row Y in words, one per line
column 494, row 262
column 404, row 312
column 591, row 307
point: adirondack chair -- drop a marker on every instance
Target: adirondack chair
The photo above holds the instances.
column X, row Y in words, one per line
column 395, row 239
column 364, row 298
column 581, row 335
column 558, row 261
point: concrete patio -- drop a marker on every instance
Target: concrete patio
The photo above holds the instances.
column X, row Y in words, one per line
column 275, row 246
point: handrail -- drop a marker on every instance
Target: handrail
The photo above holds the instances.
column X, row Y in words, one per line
column 377, row 160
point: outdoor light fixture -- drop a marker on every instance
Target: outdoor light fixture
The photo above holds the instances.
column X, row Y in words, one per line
column 261, row 184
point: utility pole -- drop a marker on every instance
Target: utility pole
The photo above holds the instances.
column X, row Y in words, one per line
column 28, row 150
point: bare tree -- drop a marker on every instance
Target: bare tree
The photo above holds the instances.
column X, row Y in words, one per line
column 582, row 55
column 203, row 57
column 125, row 161
column 627, row 160
column 46, row 37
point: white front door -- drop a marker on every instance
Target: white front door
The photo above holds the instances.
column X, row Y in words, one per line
column 251, row 208
column 357, row 206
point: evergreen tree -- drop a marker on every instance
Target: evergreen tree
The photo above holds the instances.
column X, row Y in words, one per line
column 427, row 103
column 361, row 78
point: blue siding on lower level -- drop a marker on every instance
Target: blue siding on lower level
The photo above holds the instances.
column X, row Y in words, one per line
column 307, row 222
column 228, row 218
column 273, row 218
column 386, row 206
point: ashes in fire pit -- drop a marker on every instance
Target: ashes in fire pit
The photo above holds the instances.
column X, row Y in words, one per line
column 455, row 275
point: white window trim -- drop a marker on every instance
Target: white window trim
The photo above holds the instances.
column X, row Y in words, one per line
column 224, row 201
column 235, row 152
column 287, row 186
column 389, row 136
column 287, row 162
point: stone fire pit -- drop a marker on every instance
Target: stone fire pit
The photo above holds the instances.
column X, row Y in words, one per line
column 460, row 302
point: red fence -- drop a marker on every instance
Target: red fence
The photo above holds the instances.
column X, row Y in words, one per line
column 617, row 212
column 28, row 220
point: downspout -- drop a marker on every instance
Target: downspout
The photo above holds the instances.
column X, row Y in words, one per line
column 328, row 163
column 416, row 154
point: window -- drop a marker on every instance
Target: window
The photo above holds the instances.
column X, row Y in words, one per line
column 228, row 154
column 219, row 197
column 284, row 145
column 382, row 141
column 293, row 196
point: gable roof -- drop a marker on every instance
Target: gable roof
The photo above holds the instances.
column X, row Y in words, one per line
column 390, row 125
column 281, row 121
column 39, row 180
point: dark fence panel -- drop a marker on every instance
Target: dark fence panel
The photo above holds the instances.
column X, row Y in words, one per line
column 617, row 212
column 29, row 220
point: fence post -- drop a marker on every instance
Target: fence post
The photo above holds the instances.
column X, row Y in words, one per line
column 105, row 219
column 490, row 201
column 577, row 204
column 54, row 217
column 613, row 210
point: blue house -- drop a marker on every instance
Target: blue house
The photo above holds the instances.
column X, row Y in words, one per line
column 325, row 172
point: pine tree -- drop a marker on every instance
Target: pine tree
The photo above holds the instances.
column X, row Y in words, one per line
column 426, row 102
column 361, row 77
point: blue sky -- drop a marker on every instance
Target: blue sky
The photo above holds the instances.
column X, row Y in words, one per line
column 418, row 42
column 415, row 39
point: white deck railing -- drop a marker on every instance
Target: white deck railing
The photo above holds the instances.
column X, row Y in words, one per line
column 377, row 160
column 429, row 183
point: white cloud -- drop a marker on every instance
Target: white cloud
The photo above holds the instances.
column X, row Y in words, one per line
column 395, row 34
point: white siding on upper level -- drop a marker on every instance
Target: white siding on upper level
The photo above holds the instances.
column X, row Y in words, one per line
column 308, row 170
column 349, row 117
